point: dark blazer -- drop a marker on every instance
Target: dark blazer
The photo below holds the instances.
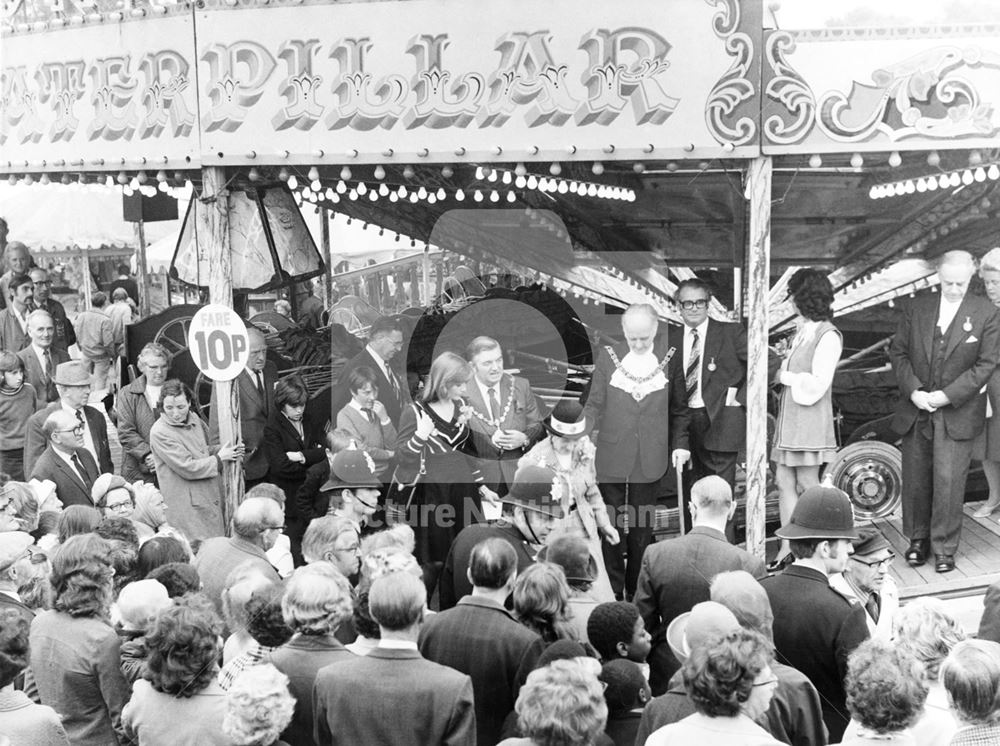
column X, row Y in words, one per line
column 33, row 372
column 35, row 441
column 393, row 405
column 280, row 437
column 454, row 583
column 725, row 347
column 301, row 659
column 70, row 489
column 989, row 625
column 674, row 576
column 815, row 630
column 523, row 416
column 650, row 428
column 135, row 420
column 64, row 335
column 309, row 501
column 13, row 338
column 393, row 697
column 482, row 639
column 253, row 418
column 970, row 357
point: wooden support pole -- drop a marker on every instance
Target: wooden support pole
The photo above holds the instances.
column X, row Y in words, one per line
column 142, row 269
column 324, row 239
column 213, row 235
column 758, row 193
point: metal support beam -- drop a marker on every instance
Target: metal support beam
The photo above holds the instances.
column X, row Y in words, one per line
column 758, row 193
column 214, row 239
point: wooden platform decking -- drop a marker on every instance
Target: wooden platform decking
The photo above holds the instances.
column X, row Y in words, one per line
column 977, row 563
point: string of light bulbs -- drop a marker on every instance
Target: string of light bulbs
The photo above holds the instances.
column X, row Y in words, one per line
column 946, row 180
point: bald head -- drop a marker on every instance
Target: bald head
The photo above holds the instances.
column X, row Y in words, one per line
column 712, row 495
column 639, row 324
column 258, row 349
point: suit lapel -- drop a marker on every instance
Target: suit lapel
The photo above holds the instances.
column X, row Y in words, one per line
column 506, row 384
column 710, row 350
column 71, row 473
column 927, row 321
column 957, row 333
column 248, row 387
column 475, row 397
column 289, row 428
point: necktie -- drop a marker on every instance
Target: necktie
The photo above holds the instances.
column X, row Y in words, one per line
column 392, row 381
column 79, row 418
column 371, row 415
column 494, row 406
column 872, row 606
column 47, row 356
column 260, row 390
column 84, row 474
column 693, row 366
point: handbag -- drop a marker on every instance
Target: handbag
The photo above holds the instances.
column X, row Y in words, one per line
column 400, row 493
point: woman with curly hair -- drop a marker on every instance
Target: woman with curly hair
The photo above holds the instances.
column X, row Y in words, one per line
column 924, row 629
column 804, row 438
column 561, row 704
column 180, row 703
column 570, row 453
column 885, row 694
column 541, row 602
column 317, row 600
column 75, row 652
column 258, row 707
column 76, row 520
column 21, row 720
column 730, row 684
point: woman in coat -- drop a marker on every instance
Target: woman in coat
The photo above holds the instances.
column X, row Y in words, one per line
column 136, row 410
column 187, row 468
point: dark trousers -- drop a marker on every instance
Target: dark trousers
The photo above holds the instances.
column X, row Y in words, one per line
column 12, row 464
column 706, row 463
column 934, row 471
column 631, row 506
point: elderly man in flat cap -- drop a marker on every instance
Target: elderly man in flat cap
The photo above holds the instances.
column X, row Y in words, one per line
column 866, row 582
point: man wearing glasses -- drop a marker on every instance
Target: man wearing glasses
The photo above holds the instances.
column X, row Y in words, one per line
column 715, row 372
column 65, row 461
column 15, row 569
column 866, row 582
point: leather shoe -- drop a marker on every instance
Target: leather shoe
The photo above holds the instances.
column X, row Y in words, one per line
column 916, row 555
column 944, row 562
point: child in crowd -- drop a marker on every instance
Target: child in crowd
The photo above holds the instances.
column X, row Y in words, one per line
column 365, row 418
column 626, row 693
column 18, row 401
column 616, row 630
column 138, row 604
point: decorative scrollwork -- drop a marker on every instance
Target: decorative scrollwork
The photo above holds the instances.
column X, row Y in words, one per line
column 788, row 88
column 734, row 87
column 907, row 99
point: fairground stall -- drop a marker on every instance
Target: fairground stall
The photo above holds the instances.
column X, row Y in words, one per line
column 569, row 156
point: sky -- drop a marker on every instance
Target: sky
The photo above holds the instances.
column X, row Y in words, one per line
column 808, row 14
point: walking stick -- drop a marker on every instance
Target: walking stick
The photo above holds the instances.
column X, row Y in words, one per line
column 680, row 498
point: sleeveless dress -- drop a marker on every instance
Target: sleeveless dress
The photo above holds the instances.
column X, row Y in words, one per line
column 805, row 434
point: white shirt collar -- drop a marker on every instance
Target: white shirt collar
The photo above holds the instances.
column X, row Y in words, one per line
column 11, row 594
column 702, row 329
column 397, row 644
column 378, row 358
column 485, row 390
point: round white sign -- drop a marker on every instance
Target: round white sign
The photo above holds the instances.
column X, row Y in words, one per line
column 219, row 343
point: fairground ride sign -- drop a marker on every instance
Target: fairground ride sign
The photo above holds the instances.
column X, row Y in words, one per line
column 231, row 82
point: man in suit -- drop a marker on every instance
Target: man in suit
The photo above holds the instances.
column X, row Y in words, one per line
column 14, row 559
column 256, row 386
column 638, row 402
column 715, row 371
column 866, row 582
column 429, row 703
column 42, row 357
column 479, row 637
column 14, row 318
column 65, row 461
column 815, row 628
column 676, row 574
column 64, row 335
column 73, row 386
column 505, row 419
column 385, row 340
column 943, row 354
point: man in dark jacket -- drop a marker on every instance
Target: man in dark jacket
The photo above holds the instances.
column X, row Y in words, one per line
column 815, row 628
column 479, row 637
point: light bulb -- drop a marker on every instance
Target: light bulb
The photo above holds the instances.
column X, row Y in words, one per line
column 345, row 173
column 597, row 168
column 555, row 169
column 533, row 181
column 440, row 194
column 492, row 175
column 459, row 196
column 362, row 188
column 293, row 183
column 895, row 159
column 341, row 187
column 478, row 196
column 494, row 196
column 857, row 161
column 383, row 190
column 379, row 172
column 562, row 188
column 815, row 161
column 421, row 193
column 511, row 197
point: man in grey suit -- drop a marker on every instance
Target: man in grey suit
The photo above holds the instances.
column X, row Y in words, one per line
column 72, row 381
column 505, row 419
column 676, row 574
column 66, row 462
column 393, row 695
column 256, row 386
column 42, row 357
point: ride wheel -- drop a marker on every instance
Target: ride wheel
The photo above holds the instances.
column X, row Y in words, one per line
column 174, row 333
column 871, row 473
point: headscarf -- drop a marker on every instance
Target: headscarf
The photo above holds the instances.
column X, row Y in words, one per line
column 143, row 512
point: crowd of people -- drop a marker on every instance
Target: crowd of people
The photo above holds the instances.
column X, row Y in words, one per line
column 455, row 565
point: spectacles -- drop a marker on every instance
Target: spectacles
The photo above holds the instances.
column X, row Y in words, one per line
column 127, row 504
column 78, row 429
column 690, row 305
column 41, row 282
column 875, row 563
column 273, row 528
column 353, row 549
column 768, row 682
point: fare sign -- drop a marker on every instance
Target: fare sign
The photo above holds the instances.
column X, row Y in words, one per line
column 218, row 342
